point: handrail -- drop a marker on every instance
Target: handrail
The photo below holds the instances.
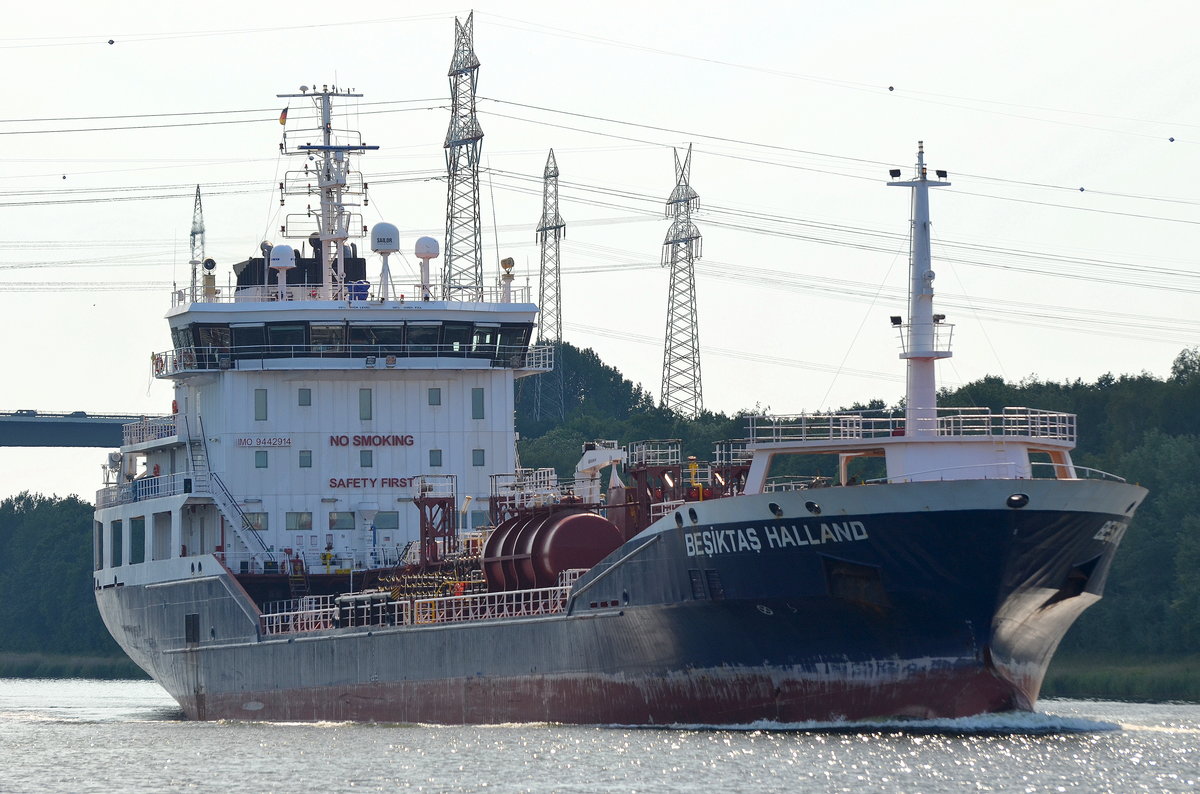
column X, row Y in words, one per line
column 954, row 421
column 575, row 596
column 385, row 356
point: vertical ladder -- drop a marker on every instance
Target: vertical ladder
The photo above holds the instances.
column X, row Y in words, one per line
column 237, row 518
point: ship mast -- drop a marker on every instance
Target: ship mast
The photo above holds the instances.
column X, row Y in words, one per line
column 925, row 338
column 333, row 183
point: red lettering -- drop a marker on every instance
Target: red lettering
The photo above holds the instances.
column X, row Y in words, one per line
column 338, row 441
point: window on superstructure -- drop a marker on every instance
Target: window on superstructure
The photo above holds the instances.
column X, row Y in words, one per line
column 483, row 340
column 304, row 397
column 435, row 396
column 341, row 521
column 288, row 339
column 477, row 457
column 260, row 405
column 456, row 337
column 377, row 340
column 115, row 540
column 137, row 540
column 366, row 458
column 98, row 546
column 435, row 458
column 298, row 522
column 213, row 336
column 249, row 341
column 256, row 521
column 328, row 340
column 387, row 519
column 423, row 338
column 364, row 403
column 476, row 403
column 306, row 458
column 260, row 459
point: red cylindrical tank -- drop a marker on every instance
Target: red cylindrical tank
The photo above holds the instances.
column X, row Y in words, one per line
column 528, row 552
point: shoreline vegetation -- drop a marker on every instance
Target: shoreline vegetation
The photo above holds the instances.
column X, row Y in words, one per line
column 49, row 665
column 1146, row 679
column 1136, row 679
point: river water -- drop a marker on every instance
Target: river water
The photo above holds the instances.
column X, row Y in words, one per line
column 128, row 736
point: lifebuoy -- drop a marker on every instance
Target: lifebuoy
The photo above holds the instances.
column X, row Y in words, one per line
column 159, row 365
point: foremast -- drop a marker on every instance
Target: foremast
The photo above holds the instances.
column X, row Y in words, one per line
column 924, row 339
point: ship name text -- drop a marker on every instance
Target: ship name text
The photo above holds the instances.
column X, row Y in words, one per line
column 710, row 542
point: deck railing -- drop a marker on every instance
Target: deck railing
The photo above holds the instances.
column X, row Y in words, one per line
column 149, row 430
column 152, row 488
column 354, row 293
column 484, row 606
column 1028, row 422
column 200, row 359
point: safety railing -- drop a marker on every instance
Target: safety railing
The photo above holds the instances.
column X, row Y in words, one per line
column 488, row 606
column 199, row 359
column 318, row 613
column 352, row 293
column 659, row 452
column 149, row 430
column 1027, row 422
column 1062, row 471
column 152, row 488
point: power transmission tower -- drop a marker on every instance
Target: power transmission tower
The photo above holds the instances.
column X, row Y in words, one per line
column 197, row 240
column 551, row 229
column 681, row 390
column 462, row 273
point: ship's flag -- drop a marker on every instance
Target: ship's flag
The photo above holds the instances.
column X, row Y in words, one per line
column 283, row 116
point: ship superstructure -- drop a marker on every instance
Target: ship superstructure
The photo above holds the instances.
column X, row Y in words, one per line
column 332, row 523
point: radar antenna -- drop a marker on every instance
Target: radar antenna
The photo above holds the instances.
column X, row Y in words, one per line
column 681, row 390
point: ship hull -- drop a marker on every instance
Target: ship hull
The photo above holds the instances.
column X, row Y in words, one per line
column 870, row 608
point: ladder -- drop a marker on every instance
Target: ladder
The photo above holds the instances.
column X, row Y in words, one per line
column 209, row 481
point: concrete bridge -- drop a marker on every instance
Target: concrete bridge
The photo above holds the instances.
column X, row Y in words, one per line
column 30, row 428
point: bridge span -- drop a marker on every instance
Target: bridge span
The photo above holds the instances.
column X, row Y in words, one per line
column 30, row 428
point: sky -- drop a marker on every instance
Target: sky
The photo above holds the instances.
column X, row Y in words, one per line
column 1065, row 247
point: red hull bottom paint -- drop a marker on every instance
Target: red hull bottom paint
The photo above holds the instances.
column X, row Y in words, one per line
column 721, row 698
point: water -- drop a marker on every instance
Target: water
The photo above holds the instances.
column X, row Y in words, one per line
column 125, row 736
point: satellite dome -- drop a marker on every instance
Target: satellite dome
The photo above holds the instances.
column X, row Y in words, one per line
column 283, row 257
column 385, row 238
column 427, row 248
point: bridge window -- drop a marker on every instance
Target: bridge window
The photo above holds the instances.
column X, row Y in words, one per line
column 299, row 522
column 328, row 340
column 137, row 540
column 456, row 337
column 249, row 340
column 514, row 335
column 215, row 336
column 483, row 342
column 476, row 403
column 306, row 458
column 423, row 338
column 260, row 405
column 116, row 532
column 287, row 339
column 377, row 339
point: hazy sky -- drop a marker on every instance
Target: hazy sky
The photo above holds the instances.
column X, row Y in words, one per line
column 1066, row 247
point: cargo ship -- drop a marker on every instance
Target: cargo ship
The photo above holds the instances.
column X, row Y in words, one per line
column 332, row 522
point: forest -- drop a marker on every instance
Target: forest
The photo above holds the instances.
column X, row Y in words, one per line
column 1144, row 428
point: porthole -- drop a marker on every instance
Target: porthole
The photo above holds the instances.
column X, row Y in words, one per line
column 813, row 508
column 776, row 510
column 679, row 519
column 692, row 515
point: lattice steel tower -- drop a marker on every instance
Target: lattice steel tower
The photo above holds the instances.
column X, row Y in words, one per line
column 197, row 239
column 681, row 390
column 462, row 273
column 551, row 229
